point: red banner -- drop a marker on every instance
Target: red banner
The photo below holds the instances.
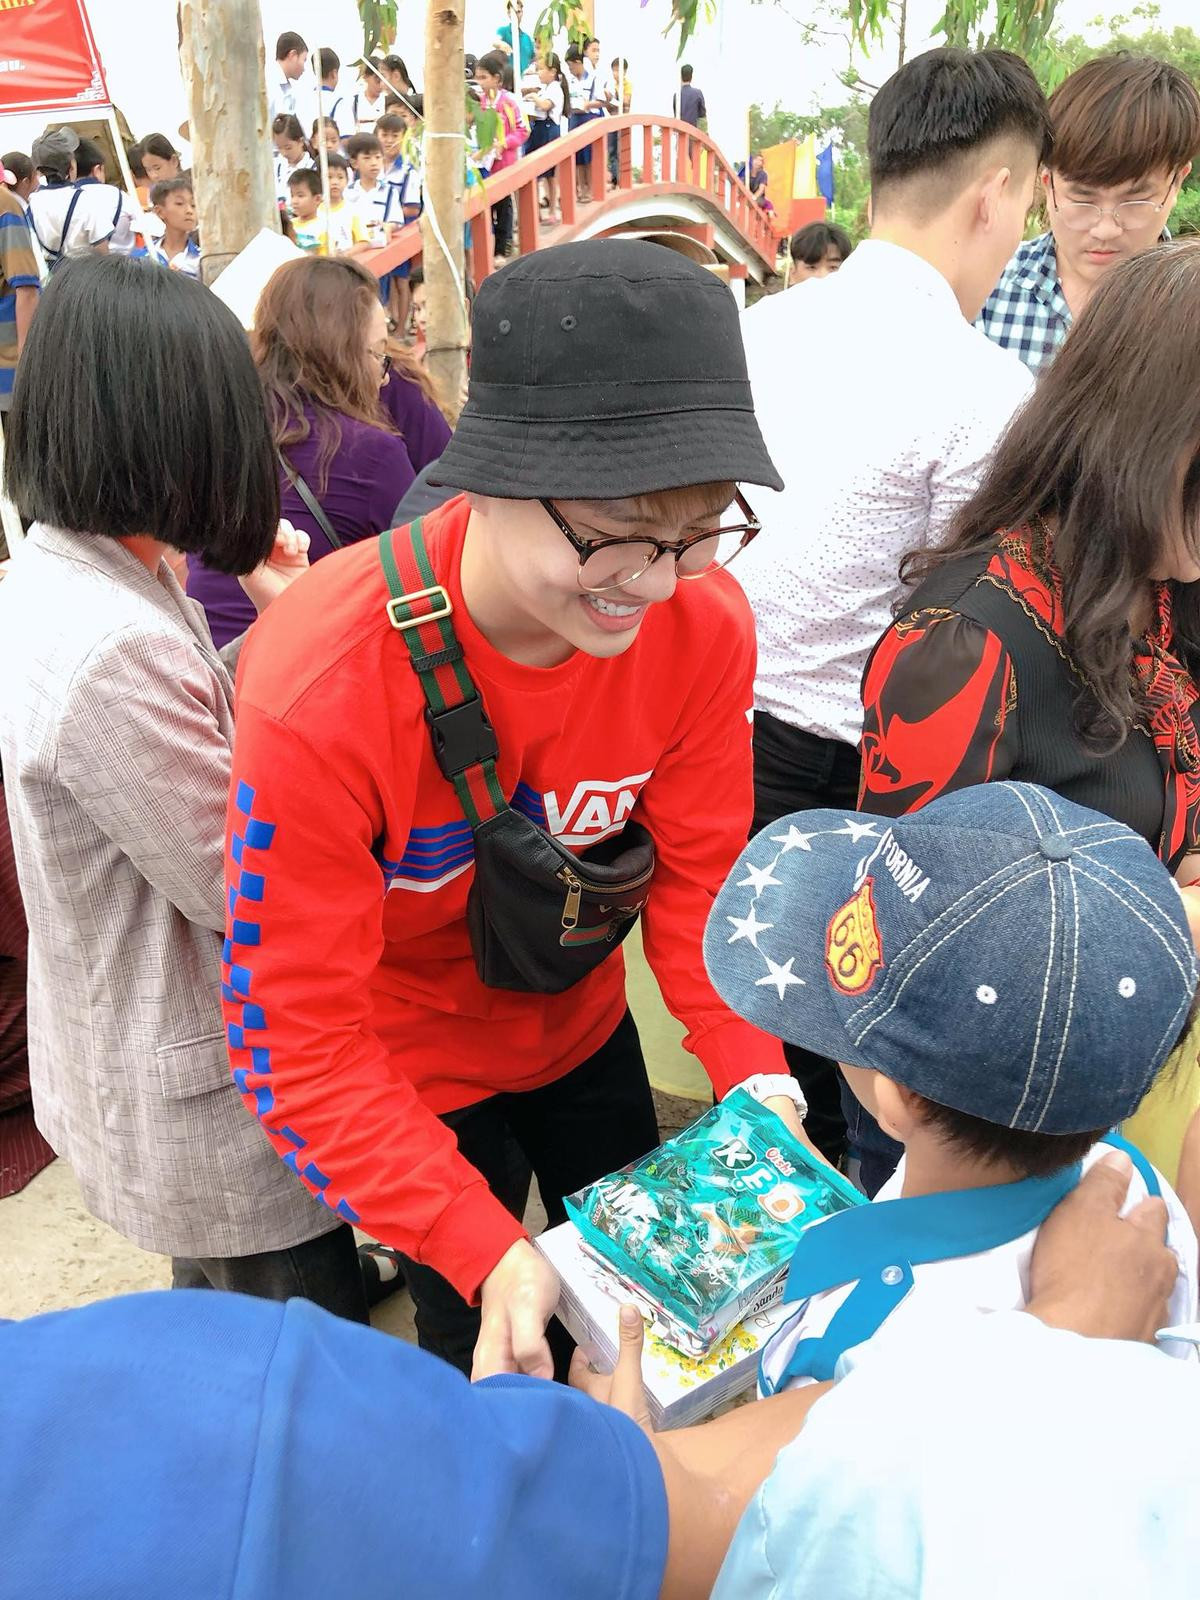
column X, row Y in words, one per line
column 48, row 57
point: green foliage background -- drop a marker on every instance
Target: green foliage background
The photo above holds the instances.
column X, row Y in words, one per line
column 846, row 123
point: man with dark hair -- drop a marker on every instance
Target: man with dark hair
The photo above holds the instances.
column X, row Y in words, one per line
column 913, row 401
column 818, row 249
column 1126, row 129
column 336, row 107
column 688, row 105
column 291, row 63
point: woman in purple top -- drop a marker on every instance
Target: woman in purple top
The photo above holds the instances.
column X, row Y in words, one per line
column 320, row 343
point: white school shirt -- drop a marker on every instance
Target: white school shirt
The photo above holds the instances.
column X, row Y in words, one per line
column 405, row 180
column 94, row 219
column 546, row 91
column 581, row 88
column 995, row 1279
column 284, row 170
column 908, row 401
column 379, row 205
column 983, row 1457
column 366, row 112
column 339, row 109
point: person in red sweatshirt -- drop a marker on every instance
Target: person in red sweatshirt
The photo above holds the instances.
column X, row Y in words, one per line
column 603, row 705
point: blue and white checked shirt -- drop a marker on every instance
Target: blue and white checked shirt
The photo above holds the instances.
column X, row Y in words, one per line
column 1027, row 311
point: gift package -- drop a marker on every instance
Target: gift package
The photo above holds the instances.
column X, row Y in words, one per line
column 699, row 1235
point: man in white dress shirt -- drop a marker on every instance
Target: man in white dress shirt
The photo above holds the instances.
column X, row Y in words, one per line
column 911, row 401
column 287, row 92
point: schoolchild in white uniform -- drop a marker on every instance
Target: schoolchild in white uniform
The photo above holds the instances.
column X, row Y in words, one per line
column 293, row 153
column 336, row 106
column 546, row 106
column 377, row 200
column 1001, row 976
column 68, row 217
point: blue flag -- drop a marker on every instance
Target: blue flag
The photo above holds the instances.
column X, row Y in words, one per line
column 825, row 173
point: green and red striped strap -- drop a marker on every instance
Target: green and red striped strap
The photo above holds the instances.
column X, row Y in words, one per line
column 420, row 609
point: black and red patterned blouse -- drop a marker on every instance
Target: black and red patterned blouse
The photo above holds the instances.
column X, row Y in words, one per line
column 946, row 707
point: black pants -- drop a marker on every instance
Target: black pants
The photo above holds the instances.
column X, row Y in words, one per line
column 502, row 224
column 588, row 1123
column 324, row 1270
column 797, row 771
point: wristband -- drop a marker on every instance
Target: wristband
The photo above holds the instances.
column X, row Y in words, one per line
column 767, row 1085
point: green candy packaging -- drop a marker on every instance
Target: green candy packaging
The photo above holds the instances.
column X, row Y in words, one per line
column 701, row 1231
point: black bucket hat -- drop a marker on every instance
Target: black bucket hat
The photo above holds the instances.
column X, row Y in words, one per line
column 601, row 370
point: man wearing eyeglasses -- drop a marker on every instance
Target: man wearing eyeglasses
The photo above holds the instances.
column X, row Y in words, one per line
column 581, row 571
column 1125, row 131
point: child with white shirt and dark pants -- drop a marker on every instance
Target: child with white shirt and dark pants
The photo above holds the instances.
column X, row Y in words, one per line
column 1001, row 977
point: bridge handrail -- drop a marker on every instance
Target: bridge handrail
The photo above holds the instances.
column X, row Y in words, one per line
column 688, row 162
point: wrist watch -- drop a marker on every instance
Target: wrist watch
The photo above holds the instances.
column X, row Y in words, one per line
column 765, row 1086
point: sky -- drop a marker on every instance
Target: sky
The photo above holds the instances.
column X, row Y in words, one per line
column 750, row 53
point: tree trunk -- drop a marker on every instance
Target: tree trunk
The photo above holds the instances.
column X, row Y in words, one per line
column 221, row 56
column 903, row 33
column 442, row 222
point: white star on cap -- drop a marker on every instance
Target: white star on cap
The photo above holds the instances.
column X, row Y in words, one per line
column 780, row 976
column 793, row 839
column 758, row 878
column 859, row 830
column 748, row 927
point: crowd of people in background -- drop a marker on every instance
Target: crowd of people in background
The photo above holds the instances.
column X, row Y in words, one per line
column 964, row 625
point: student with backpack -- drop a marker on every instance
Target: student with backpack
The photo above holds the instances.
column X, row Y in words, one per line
column 69, row 218
column 468, row 754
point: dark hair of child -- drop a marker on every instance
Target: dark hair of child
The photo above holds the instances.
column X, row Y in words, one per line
column 169, row 186
column 306, row 178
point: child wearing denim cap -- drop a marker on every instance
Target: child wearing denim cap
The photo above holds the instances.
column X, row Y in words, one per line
column 1001, row 976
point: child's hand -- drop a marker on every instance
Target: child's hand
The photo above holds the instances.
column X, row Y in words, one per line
column 287, row 561
column 622, row 1388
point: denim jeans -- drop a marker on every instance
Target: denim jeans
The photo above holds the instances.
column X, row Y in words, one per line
column 323, row 1270
column 573, row 1131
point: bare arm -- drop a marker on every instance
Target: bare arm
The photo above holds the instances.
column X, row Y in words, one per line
column 27, row 300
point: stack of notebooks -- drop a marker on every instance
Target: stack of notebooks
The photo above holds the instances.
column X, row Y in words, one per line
column 680, row 1389
column 699, row 1234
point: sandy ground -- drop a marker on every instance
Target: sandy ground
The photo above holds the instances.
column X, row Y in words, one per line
column 53, row 1254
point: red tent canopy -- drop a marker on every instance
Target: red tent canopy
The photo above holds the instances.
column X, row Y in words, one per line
column 48, row 57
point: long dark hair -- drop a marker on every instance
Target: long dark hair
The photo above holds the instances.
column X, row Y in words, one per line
column 551, row 60
column 137, row 410
column 1108, row 452
column 309, row 342
column 287, row 126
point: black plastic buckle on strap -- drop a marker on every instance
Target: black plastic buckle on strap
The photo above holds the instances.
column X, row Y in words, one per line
column 462, row 737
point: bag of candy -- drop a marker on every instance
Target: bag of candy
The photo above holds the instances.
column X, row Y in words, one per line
column 697, row 1230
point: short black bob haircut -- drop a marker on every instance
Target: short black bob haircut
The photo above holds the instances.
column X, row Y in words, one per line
column 138, row 409
column 949, row 103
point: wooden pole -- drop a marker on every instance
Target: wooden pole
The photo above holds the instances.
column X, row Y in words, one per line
column 221, row 56
column 444, row 147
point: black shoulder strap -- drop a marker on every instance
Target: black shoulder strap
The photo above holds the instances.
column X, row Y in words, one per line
column 62, row 238
column 310, row 500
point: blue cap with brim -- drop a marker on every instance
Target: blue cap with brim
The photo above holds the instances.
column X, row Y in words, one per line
column 1002, row 951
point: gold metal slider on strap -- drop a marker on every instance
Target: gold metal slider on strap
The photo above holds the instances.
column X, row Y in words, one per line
column 442, row 608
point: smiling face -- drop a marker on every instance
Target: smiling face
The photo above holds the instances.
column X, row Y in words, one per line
column 391, row 140
column 531, row 574
column 1087, row 244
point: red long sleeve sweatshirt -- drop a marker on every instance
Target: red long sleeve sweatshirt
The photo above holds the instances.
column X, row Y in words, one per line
column 353, row 1010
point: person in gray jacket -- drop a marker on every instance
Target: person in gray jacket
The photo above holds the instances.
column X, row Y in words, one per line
column 139, row 430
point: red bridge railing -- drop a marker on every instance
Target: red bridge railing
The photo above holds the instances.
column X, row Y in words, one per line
column 657, row 157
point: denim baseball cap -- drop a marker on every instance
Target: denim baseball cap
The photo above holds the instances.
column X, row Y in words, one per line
column 1001, row 951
